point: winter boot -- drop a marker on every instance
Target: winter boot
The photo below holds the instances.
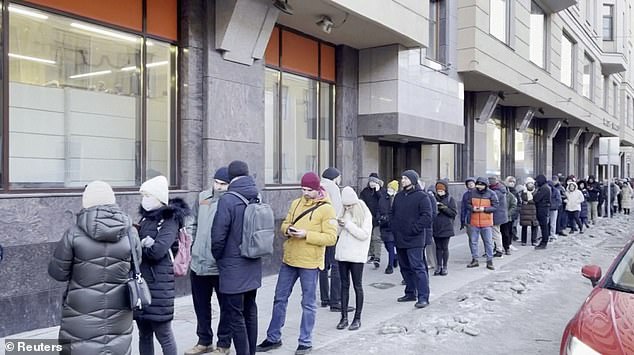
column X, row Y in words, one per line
column 443, row 272
column 490, row 265
column 355, row 325
column 389, row 269
column 343, row 323
column 474, row 263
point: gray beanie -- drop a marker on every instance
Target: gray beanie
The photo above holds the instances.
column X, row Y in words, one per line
column 412, row 175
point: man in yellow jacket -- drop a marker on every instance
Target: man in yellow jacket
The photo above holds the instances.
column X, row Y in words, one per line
column 310, row 226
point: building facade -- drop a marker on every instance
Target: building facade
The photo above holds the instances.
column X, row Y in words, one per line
column 123, row 91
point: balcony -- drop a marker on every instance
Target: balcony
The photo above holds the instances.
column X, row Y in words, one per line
column 558, row 5
column 612, row 63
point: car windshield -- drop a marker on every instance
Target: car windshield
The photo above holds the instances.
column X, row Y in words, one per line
column 623, row 275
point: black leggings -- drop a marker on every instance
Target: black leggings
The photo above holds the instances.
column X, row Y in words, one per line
column 574, row 216
column 346, row 269
column 442, row 252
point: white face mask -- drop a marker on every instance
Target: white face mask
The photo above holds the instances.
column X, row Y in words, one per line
column 150, row 203
column 441, row 192
column 391, row 192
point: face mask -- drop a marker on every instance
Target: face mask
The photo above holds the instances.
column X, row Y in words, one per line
column 530, row 187
column 511, row 184
column 480, row 187
column 150, row 203
column 441, row 192
column 391, row 192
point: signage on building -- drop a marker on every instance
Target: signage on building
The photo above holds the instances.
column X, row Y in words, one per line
column 609, row 151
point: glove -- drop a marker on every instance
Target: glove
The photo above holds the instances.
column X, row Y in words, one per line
column 147, row 242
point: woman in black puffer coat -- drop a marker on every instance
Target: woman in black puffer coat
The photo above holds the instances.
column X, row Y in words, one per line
column 94, row 257
column 158, row 231
column 443, row 225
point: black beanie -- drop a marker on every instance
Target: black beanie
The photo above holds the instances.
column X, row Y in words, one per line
column 222, row 174
column 238, row 168
column 412, row 176
column 331, row 173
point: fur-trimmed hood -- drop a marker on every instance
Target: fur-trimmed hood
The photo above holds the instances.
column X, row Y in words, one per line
column 177, row 208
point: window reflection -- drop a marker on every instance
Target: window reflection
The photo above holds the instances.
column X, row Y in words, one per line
column 537, row 34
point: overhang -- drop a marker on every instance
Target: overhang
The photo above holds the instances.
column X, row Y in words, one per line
column 400, row 126
column 612, row 63
column 558, row 5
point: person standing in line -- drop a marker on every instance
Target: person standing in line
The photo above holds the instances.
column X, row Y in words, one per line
column 371, row 195
column 573, row 207
column 443, row 225
column 555, row 210
column 559, row 184
column 542, row 205
column 309, row 227
column 626, row 192
column 619, row 197
column 158, row 229
column 500, row 216
column 430, row 249
column 96, row 263
column 594, row 192
column 511, row 185
column 465, row 212
column 204, row 273
column 330, row 285
column 506, row 229
column 411, row 220
column 482, row 203
column 385, row 206
column 583, row 214
column 528, row 212
column 352, row 249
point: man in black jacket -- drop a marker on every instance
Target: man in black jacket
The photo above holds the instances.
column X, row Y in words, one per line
column 542, row 204
column 411, row 219
column 371, row 195
column 594, row 196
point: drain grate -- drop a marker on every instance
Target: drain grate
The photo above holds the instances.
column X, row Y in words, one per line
column 382, row 285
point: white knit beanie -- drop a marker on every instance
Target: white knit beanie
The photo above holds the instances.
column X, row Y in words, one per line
column 97, row 193
column 348, row 196
column 157, row 187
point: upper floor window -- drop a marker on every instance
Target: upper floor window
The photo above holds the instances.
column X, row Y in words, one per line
column 590, row 10
column 606, row 92
column 500, row 19
column 437, row 31
column 567, row 60
column 588, row 74
column 537, row 35
column 608, row 22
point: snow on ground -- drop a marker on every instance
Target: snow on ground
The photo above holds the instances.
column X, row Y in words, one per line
column 522, row 307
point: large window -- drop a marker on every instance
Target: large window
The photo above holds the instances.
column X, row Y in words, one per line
column 608, row 22
column 537, row 35
column 615, row 104
column 447, row 161
column 606, row 92
column 437, row 28
column 494, row 147
column 77, row 110
column 499, row 20
column 567, row 60
column 299, row 109
column 525, row 153
column 588, row 76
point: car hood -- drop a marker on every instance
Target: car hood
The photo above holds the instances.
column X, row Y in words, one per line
column 606, row 322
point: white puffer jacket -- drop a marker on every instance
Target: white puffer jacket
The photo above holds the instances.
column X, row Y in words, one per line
column 354, row 241
column 575, row 198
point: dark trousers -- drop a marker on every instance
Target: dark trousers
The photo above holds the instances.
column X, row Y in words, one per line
column 542, row 218
column 164, row 335
column 562, row 219
column 391, row 253
column 533, row 234
column 414, row 270
column 354, row 270
column 442, row 252
column 330, row 286
column 573, row 217
column 507, row 234
column 242, row 312
column 203, row 288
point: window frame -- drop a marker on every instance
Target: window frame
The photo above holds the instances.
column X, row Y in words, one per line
column 573, row 66
column 587, row 59
column 175, row 121
column 507, row 22
column 438, row 55
column 545, row 45
column 609, row 17
column 280, row 70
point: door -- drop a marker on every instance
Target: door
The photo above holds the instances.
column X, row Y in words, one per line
column 394, row 158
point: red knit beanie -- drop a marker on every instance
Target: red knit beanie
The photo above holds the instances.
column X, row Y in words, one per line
column 311, row 180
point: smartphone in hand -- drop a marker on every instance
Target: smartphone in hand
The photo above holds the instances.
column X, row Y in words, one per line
column 292, row 229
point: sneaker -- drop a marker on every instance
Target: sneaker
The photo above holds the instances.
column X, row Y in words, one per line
column 221, row 350
column 303, row 349
column 540, row 247
column 562, row 233
column 337, row 308
column 523, row 244
column 513, row 248
column 498, row 254
column 490, row 265
column 444, row 272
column 200, row 349
column 437, row 272
column 389, row 269
column 267, row 345
column 473, row 263
column 406, row 299
column 376, row 263
column 580, row 232
column 507, row 252
column 421, row 304
column 552, row 239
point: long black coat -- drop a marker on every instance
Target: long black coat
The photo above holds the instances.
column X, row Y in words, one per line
column 385, row 205
column 447, row 211
column 411, row 218
column 542, row 197
column 528, row 212
column 237, row 274
column 371, row 198
column 157, row 267
column 94, row 256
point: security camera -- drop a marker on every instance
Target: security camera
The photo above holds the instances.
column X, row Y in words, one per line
column 325, row 23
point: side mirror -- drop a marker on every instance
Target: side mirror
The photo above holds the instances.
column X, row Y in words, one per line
column 592, row 272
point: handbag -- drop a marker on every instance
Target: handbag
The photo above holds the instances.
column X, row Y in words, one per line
column 138, row 290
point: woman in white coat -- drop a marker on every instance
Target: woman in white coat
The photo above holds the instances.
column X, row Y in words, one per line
column 351, row 253
column 573, row 206
column 626, row 193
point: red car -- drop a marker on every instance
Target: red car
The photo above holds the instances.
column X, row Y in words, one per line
column 605, row 322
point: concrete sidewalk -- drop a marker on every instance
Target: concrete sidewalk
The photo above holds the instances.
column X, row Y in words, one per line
column 380, row 306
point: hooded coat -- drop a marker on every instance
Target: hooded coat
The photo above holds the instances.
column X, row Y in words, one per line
column 594, row 189
column 486, row 199
column 542, row 196
column 447, row 211
column 626, row 193
column 157, row 266
column 574, row 196
column 465, row 212
column 528, row 212
column 584, row 205
column 94, row 257
column 501, row 214
column 237, row 273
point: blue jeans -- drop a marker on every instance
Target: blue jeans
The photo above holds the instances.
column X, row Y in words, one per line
column 487, row 238
column 414, row 271
column 285, row 281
